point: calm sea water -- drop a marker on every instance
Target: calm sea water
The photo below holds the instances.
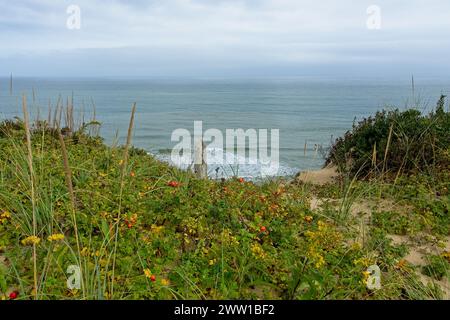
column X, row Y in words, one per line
column 304, row 110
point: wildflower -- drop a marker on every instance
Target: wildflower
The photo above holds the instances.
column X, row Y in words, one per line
column 152, row 278
column 263, row 229
column 13, row 295
column 132, row 221
column 31, row 240
column 4, row 216
column 147, row 273
column 320, row 262
column 165, row 282
column 121, row 162
column 355, row 246
column 212, row 262
column 446, row 255
column 56, row 237
column 84, row 252
column 173, row 184
column 156, row 229
column 258, row 251
column 401, row 264
column 366, row 275
column 309, row 219
column 241, row 180
column 132, row 174
column 365, row 262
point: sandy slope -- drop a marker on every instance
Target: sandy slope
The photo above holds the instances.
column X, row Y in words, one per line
column 320, row 177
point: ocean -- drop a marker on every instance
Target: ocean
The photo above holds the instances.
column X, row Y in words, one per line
column 307, row 112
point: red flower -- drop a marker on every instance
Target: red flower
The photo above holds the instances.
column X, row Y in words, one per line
column 241, row 180
column 13, row 295
column 152, row 278
column 173, row 184
column 263, row 229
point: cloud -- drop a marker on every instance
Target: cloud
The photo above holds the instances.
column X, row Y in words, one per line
column 213, row 36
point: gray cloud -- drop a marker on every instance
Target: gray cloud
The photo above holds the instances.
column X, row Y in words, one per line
column 234, row 37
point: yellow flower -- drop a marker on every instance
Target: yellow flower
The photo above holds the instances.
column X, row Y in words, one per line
column 258, row 251
column 320, row 262
column 366, row 275
column 165, row 282
column 446, row 255
column 120, row 162
column 31, row 240
column 147, row 273
column 84, row 252
column 56, row 237
column 4, row 216
column 156, row 229
column 364, row 262
column 212, row 262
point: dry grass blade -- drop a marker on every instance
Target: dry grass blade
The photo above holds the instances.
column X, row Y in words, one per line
column 68, row 175
column 387, row 147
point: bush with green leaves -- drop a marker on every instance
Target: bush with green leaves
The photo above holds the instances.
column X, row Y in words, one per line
column 395, row 142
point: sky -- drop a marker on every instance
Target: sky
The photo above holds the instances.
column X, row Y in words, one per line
column 225, row 38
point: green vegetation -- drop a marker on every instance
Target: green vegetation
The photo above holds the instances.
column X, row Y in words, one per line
column 140, row 229
column 396, row 142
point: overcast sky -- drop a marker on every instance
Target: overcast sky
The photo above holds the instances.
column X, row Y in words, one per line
column 224, row 38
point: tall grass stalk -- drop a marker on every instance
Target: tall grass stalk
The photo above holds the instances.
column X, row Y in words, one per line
column 32, row 187
column 122, row 183
column 68, row 175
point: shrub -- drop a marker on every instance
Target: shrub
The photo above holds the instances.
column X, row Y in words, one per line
column 396, row 142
